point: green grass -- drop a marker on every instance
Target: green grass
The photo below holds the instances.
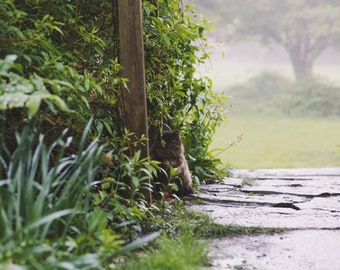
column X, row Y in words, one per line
column 278, row 142
column 184, row 243
column 183, row 252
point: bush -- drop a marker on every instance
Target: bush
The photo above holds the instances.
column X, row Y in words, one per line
column 262, row 93
column 67, row 70
column 59, row 69
column 313, row 97
column 174, row 46
column 50, row 216
column 270, row 93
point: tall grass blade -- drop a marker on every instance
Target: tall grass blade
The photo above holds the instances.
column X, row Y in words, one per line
column 39, row 198
column 140, row 242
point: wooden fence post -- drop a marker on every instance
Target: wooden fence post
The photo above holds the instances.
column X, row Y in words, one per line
column 133, row 101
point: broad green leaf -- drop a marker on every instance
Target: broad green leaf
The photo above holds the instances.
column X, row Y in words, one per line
column 9, row 101
column 33, row 104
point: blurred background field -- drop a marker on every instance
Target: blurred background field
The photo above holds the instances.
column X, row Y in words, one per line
column 285, row 119
column 283, row 123
column 279, row 142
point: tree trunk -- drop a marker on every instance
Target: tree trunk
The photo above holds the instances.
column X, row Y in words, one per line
column 302, row 65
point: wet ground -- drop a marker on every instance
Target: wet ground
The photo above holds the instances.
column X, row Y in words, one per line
column 304, row 202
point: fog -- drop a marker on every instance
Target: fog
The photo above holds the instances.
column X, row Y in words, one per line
column 235, row 62
column 231, row 64
column 284, row 120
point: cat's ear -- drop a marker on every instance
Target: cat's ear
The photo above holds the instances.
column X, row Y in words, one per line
column 177, row 134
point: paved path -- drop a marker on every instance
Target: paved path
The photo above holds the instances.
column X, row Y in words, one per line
column 306, row 202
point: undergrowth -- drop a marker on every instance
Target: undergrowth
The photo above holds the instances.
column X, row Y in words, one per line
column 185, row 240
column 71, row 192
column 58, row 218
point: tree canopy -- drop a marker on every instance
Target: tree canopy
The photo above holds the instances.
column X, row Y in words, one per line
column 304, row 28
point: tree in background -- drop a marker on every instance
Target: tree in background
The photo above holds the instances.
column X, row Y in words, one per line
column 304, row 28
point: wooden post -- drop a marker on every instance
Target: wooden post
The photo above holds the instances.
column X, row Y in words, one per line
column 133, row 101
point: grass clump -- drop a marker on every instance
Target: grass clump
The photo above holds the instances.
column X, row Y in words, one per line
column 183, row 251
column 203, row 226
column 184, row 241
column 177, row 248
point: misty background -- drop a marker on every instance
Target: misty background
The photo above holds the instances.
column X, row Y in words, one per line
column 276, row 60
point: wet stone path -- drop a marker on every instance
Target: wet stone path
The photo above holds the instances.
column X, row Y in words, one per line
column 305, row 202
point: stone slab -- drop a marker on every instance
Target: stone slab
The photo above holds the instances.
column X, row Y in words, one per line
column 306, row 202
column 271, row 217
column 287, row 173
column 244, row 199
column 296, row 250
column 285, row 198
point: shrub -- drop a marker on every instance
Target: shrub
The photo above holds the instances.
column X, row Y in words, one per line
column 270, row 93
column 313, row 97
column 174, row 46
column 262, row 93
column 59, row 69
column 68, row 50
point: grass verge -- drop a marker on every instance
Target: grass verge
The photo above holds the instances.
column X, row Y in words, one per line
column 279, row 142
column 184, row 242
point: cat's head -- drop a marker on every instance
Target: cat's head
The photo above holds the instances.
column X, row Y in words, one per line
column 171, row 140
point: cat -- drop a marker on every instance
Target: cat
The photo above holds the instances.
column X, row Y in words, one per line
column 169, row 150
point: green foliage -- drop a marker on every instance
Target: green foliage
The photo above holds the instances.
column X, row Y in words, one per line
column 270, row 93
column 262, row 93
column 42, row 191
column 121, row 193
column 59, row 52
column 203, row 226
column 177, row 248
column 19, row 92
column 59, row 69
column 183, row 252
column 49, row 217
column 68, row 55
column 313, row 97
column 184, row 240
column 177, row 220
column 126, row 173
column 174, row 46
